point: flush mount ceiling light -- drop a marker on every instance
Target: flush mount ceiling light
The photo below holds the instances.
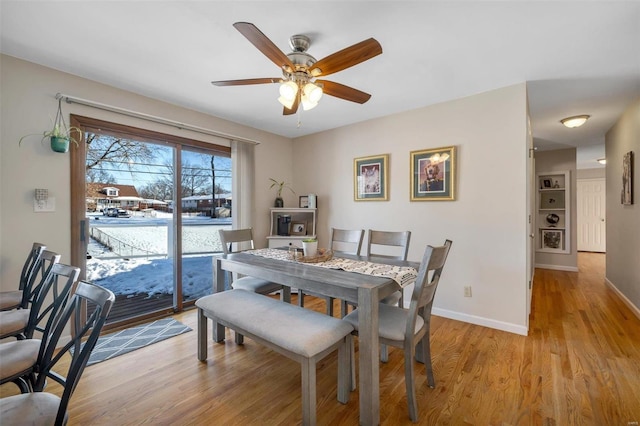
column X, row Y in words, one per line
column 602, row 160
column 575, row 121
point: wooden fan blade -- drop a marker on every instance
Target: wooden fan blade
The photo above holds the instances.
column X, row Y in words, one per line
column 344, row 92
column 347, row 57
column 294, row 107
column 263, row 44
column 246, row 81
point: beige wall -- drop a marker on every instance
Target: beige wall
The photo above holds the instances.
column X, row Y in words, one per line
column 28, row 102
column 558, row 161
column 487, row 223
column 623, row 222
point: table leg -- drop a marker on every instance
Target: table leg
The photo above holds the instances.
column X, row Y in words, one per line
column 218, row 279
column 368, row 349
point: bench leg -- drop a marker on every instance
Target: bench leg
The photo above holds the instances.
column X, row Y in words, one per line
column 202, row 336
column 308, row 367
column 285, row 295
column 239, row 338
column 344, row 370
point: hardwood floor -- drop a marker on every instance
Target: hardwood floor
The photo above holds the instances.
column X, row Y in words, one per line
column 580, row 365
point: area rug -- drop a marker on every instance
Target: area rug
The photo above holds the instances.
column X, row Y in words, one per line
column 128, row 340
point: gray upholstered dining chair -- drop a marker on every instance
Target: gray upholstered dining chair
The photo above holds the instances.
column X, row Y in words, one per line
column 406, row 328
column 257, row 285
column 21, row 323
column 14, row 299
column 341, row 241
column 388, row 245
column 44, row 408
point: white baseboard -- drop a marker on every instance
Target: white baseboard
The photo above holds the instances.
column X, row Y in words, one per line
column 485, row 322
column 558, row 267
column 624, row 298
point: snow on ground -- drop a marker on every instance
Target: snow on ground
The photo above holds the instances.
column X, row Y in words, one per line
column 154, row 274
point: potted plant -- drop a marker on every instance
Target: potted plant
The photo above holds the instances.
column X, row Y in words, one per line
column 60, row 135
column 310, row 247
column 280, row 186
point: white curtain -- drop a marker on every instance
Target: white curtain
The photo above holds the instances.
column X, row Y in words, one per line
column 242, row 161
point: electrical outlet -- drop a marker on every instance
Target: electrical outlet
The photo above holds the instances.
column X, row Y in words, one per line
column 467, row 291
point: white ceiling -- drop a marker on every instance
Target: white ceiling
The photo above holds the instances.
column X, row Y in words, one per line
column 579, row 57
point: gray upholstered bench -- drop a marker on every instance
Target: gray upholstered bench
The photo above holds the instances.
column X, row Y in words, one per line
column 297, row 333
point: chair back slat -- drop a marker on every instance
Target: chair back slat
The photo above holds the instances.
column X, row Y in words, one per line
column 86, row 297
column 29, row 272
column 426, row 284
column 52, row 296
column 230, row 236
column 345, row 238
column 400, row 240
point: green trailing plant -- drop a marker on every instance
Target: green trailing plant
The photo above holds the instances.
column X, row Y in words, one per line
column 60, row 134
column 309, row 240
column 280, row 186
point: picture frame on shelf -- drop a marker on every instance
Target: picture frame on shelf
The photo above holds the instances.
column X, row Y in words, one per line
column 626, row 197
column 552, row 239
column 546, row 183
column 370, row 178
column 433, row 174
column 298, row 228
column 552, row 200
column 303, row 201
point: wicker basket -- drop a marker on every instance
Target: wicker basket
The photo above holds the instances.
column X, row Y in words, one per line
column 327, row 255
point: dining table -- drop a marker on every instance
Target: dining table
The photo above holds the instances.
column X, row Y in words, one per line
column 363, row 289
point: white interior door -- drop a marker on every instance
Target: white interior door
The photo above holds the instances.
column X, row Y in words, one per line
column 591, row 215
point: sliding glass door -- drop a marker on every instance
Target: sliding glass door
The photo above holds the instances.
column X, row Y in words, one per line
column 148, row 219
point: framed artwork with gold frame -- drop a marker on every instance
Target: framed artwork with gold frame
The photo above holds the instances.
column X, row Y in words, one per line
column 370, row 178
column 433, row 174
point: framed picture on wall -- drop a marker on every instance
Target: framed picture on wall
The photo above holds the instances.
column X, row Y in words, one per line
column 433, row 174
column 370, row 178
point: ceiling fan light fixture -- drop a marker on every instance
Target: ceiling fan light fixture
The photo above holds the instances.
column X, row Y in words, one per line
column 575, row 121
column 312, row 92
column 288, row 91
column 287, row 103
column 307, row 104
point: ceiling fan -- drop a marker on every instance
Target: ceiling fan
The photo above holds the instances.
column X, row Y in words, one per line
column 299, row 83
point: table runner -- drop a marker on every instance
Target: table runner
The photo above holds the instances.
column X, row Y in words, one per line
column 403, row 275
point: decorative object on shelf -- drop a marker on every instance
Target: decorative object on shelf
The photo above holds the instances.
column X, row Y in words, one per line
column 371, row 178
column 303, row 201
column 310, row 247
column 556, row 184
column 553, row 219
column 298, row 228
column 280, row 186
column 546, row 183
column 60, row 135
column 312, row 201
column 552, row 239
column 627, row 179
column 433, row 174
column 552, row 200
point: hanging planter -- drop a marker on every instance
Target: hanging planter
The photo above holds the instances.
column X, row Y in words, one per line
column 60, row 135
